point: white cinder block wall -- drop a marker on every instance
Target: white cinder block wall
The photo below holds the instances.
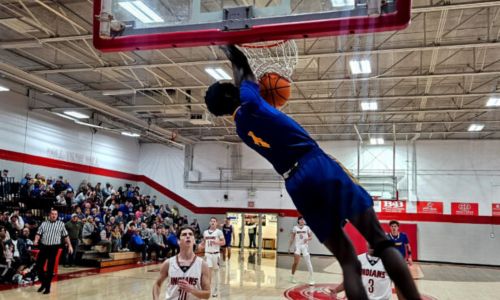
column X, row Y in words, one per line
column 447, row 171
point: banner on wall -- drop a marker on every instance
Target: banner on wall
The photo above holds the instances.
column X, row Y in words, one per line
column 429, row 207
column 464, row 209
column 495, row 209
column 393, row 206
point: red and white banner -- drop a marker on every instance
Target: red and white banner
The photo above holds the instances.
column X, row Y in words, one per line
column 464, row 209
column 495, row 209
column 428, row 207
column 393, row 206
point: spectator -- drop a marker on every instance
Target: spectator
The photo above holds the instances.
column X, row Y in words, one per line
column 98, row 191
column 4, row 183
column 172, row 243
column 139, row 213
column 196, row 226
column 25, row 179
column 136, row 243
column 80, row 198
column 25, row 245
column 15, row 225
column 90, row 232
column 119, row 217
column 74, row 228
column 145, row 233
column 106, row 238
column 69, row 196
column 61, row 198
column 157, row 244
column 20, row 219
column 116, row 239
column 59, row 186
column 107, row 191
column 36, row 192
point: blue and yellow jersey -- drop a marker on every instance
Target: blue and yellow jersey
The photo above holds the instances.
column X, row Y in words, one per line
column 273, row 134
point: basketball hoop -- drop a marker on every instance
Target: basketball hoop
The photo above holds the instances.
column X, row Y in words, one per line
column 279, row 57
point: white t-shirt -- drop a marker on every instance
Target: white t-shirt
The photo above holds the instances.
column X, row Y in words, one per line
column 375, row 279
column 301, row 234
column 192, row 275
column 211, row 237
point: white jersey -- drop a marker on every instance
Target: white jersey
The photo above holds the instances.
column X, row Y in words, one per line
column 192, row 275
column 211, row 237
column 301, row 235
column 375, row 279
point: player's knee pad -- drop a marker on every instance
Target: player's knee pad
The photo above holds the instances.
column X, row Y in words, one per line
column 381, row 246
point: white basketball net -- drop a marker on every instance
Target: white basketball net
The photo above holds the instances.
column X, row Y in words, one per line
column 272, row 57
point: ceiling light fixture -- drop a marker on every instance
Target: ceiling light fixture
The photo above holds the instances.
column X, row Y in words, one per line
column 88, row 124
column 369, row 105
column 76, row 114
column 493, row 102
column 476, row 127
column 377, row 141
column 360, row 67
column 64, row 116
column 131, row 134
column 4, row 88
column 218, row 73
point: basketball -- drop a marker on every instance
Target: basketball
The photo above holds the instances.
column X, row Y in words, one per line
column 275, row 89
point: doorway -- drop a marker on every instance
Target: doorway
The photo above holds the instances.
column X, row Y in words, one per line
column 254, row 230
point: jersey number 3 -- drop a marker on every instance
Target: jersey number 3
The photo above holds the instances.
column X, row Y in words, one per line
column 371, row 287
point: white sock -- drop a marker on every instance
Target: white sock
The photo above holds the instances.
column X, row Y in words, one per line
column 307, row 258
column 215, row 277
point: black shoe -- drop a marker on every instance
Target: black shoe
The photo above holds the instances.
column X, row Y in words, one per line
column 41, row 289
column 47, row 291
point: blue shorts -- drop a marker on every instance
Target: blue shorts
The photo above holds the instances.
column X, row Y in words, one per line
column 325, row 194
column 228, row 241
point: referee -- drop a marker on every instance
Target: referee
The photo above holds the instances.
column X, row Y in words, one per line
column 50, row 235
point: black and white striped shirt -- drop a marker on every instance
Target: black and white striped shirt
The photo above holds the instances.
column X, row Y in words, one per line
column 52, row 233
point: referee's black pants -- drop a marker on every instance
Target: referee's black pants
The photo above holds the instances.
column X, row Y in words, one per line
column 47, row 254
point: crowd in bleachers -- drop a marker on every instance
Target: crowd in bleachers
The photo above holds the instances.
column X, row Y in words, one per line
column 98, row 217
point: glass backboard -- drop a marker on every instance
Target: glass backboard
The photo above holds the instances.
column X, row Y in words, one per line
column 150, row 24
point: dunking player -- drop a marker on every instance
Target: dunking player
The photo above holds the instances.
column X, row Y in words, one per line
column 374, row 276
column 188, row 274
column 228, row 231
column 321, row 189
column 213, row 238
column 301, row 235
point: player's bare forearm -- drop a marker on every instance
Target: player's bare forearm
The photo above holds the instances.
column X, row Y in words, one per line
column 206, row 280
column 157, row 289
column 160, row 280
column 200, row 294
column 241, row 67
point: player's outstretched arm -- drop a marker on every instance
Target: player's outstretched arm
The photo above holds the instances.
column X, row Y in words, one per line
column 160, row 280
column 241, row 67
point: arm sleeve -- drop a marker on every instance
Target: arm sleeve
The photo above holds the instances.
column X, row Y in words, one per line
column 64, row 232
column 41, row 229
